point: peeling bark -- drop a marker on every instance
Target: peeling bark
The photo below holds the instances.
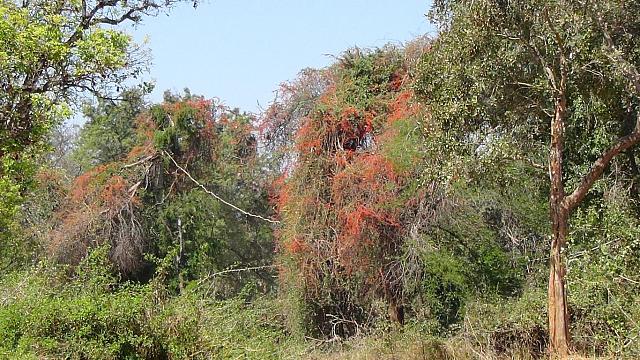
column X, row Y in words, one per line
column 558, row 314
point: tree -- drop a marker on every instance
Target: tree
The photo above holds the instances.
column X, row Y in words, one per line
column 157, row 200
column 54, row 50
column 109, row 134
column 557, row 70
column 347, row 185
column 212, row 182
column 51, row 52
column 62, row 142
column 292, row 103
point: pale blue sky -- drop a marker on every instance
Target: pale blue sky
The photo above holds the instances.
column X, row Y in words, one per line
column 241, row 50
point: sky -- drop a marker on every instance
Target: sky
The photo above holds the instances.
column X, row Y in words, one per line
column 241, row 50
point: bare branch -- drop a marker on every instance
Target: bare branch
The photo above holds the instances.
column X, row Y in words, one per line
column 535, row 52
column 228, row 271
column 99, row 14
column 134, row 14
column 218, row 197
column 139, row 161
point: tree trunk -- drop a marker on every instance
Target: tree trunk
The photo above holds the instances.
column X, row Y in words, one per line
column 561, row 206
column 558, row 315
column 396, row 313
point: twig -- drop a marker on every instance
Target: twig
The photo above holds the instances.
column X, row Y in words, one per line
column 242, row 269
column 629, row 280
column 139, row 161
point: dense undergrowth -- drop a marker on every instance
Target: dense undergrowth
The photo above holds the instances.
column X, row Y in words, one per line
column 87, row 313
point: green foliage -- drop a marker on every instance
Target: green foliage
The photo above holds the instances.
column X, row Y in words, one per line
column 470, row 253
column 404, row 187
column 143, row 205
column 16, row 180
column 221, row 152
column 444, row 288
column 494, row 79
column 91, row 316
column 512, row 328
column 109, row 133
column 17, row 246
column 404, row 149
column 466, row 224
column 9, row 208
column 365, row 75
column 50, row 53
column 603, row 279
column 342, row 221
column 491, row 82
column 214, row 240
column 79, row 319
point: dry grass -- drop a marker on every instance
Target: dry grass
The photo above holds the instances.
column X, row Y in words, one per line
column 415, row 347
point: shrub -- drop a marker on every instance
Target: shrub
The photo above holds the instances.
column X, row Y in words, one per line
column 91, row 316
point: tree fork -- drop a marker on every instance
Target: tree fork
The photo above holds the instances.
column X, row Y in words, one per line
column 561, row 206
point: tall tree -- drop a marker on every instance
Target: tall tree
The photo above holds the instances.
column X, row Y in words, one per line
column 558, row 70
column 51, row 52
column 109, row 134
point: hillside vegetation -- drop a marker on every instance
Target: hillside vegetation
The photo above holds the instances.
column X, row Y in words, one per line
column 472, row 195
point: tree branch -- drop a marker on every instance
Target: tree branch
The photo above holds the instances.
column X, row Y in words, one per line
column 570, row 202
column 134, row 14
column 98, row 14
column 616, row 55
column 216, row 196
column 562, row 56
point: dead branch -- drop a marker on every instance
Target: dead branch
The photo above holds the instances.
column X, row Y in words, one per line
column 217, row 197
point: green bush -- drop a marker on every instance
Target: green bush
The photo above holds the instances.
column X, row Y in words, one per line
column 508, row 327
column 604, row 255
column 91, row 316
